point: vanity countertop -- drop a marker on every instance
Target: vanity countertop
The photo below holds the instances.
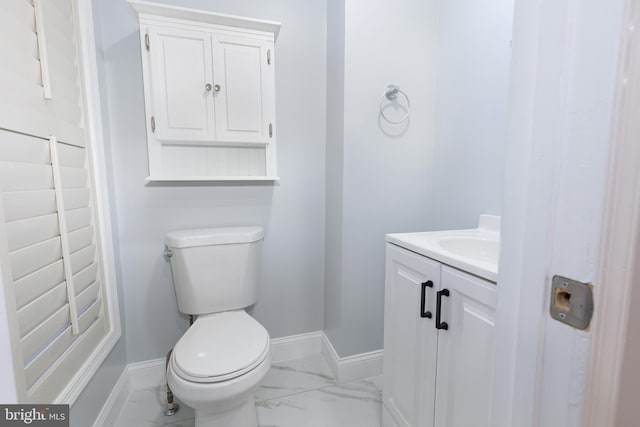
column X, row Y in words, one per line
column 476, row 251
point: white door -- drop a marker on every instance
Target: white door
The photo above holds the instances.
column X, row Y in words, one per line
column 243, row 80
column 465, row 350
column 410, row 339
column 182, row 81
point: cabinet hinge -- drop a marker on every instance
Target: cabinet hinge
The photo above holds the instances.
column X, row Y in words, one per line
column 269, row 56
column 147, row 42
column 153, row 124
column 270, row 130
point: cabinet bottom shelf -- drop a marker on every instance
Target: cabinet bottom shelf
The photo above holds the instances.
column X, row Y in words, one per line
column 210, row 178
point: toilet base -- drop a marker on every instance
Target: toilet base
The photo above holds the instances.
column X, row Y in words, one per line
column 242, row 416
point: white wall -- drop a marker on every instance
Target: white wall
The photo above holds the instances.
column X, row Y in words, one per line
column 385, row 170
column 292, row 212
column 473, row 63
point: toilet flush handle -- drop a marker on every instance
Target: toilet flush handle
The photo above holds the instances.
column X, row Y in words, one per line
column 167, row 252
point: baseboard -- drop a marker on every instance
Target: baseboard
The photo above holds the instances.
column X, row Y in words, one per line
column 351, row 368
column 135, row 376
column 296, row 346
column 151, row 373
column 116, row 401
column 345, row 369
column 147, row 374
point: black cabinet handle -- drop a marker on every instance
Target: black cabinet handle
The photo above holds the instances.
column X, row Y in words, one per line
column 439, row 324
column 423, row 303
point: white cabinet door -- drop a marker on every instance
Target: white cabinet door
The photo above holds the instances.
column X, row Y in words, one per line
column 181, row 69
column 410, row 340
column 244, row 80
column 465, row 350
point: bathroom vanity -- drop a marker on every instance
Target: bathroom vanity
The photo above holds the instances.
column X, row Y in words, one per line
column 440, row 299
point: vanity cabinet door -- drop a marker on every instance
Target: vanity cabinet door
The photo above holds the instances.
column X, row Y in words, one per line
column 181, row 77
column 465, row 350
column 244, row 83
column 410, row 339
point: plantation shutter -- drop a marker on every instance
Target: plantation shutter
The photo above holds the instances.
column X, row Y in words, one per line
column 48, row 223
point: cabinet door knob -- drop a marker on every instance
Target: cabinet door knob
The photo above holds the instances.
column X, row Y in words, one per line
column 439, row 324
column 216, row 88
column 425, row 314
column 208, row 86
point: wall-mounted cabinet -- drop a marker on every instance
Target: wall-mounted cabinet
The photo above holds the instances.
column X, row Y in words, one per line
column 209, row 94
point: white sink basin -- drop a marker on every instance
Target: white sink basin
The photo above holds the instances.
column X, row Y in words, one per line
column 477, row 248
column 476, row 251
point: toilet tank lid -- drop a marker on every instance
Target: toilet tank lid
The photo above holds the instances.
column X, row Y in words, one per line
column 213, row 236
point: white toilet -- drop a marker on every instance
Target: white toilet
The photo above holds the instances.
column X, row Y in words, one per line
column 217, row 364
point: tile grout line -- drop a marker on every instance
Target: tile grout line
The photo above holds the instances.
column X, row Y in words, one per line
column 294, row 394
column 319, row 388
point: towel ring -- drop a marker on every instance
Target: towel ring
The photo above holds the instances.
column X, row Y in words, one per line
column 391, row 94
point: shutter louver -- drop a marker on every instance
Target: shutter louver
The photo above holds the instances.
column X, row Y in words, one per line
column 36, row 256
column 32, row 66
column 52, row 262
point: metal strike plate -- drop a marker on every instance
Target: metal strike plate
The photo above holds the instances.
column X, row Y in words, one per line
column 571, row 302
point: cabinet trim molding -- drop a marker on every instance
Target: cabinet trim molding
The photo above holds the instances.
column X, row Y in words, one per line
column 211, row 178
column 176, row 12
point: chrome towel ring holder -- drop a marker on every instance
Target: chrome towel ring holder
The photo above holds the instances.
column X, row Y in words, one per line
column 391, row 94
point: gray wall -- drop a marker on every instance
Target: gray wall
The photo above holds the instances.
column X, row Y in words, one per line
column 439, row 171
column 90, row 402
column 292, row 212
column 334, row 166
column 385, row 169
column 473, row 60
column 323, row 265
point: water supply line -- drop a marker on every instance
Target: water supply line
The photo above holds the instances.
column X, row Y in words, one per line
column 172, row 408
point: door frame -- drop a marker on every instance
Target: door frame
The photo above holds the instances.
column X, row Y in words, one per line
column 620, row 243
column 563, row 127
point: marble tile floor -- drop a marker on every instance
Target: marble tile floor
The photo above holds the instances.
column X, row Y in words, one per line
column 298, row 393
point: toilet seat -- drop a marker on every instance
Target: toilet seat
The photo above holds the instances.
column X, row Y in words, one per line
column 219, row 347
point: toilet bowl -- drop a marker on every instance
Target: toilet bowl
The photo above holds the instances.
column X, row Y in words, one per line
column 217, row 364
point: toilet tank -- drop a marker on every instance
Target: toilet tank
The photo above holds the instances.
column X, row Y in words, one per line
column 215, row 269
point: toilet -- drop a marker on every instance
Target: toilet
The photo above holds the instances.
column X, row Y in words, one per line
column 217, row 364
